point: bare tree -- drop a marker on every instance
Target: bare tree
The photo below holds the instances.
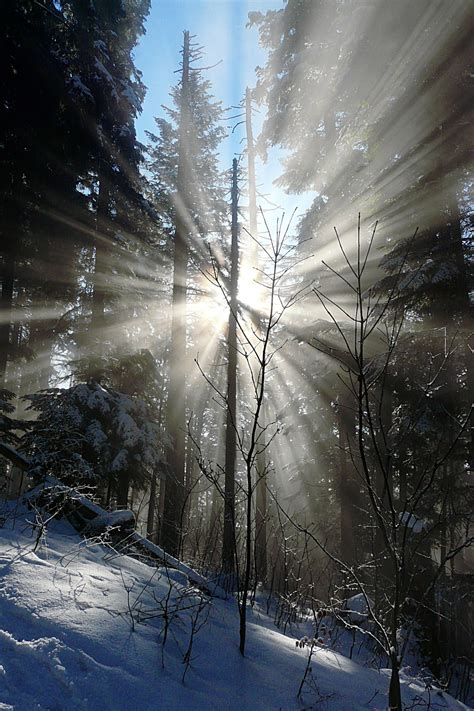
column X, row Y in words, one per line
column 366, row 339
column 256, row 351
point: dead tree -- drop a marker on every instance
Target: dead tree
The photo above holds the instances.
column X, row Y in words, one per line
column 228, row 544
column 257, row 352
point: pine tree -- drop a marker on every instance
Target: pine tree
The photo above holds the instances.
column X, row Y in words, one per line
column 347, row 125
column 186, row 186
column 35, row 148
column 106, row 35
column 72, row 64
column 96, row 435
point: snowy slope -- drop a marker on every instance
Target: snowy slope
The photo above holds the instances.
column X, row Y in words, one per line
column 68, row 640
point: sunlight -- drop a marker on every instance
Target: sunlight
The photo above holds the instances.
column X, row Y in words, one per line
column 211, row 305
column 236, row 310
column 251, row 293
column 213, row 310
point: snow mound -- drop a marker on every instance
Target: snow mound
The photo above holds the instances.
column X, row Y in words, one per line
column 83, row 628
column 417, row 525
column 357, row 608
column 110, row 519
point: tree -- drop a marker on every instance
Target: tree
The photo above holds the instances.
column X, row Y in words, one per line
column 257, row 352
column 94, row 435
column 438, row 278
column 406, row 514
column 37, row 157
column 345, row 120
column 261, row 490
column 71, row 95
column 112, row 95
column 185, row 183
column 229, row 535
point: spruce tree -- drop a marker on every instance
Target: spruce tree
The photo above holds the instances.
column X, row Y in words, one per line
column 71, row 96
column 187, row 187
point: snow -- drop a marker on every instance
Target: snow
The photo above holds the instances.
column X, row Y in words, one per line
column 81, row 628
column 110, row 519
column 127, row 430
column 101, row 46
column 120, row 461
column 105, row 74
column 54, row 485
column 95, row 435
column 96, row 398
column 417, row 525
column 198, row 580
column 129, row 94
column 80, row 87
column 357, row 608
column 103, row 70
column 119, row 429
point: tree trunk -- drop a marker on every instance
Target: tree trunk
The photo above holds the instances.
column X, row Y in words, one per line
column 100, row 265
column 191, row 482
column 395, row 694
column 123, row 487
column 228, row 545
column 261, row 477
column 384, row 568
column 348, row 490
column 6, row 300
column 150, row 521
column 173, row 498
column 41, row 343
column 261, row 519
column 464, row 306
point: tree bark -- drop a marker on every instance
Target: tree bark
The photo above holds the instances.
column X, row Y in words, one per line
column 6, row 300
column 261, row 482
column 123, row 487
column 173, row 498
column 384, row 483
column 150, row 521
column 228, row 545
column 348, row 490
column 100, row 266
column 395, row 694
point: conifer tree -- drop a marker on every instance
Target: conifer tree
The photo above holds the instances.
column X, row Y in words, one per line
column 187, row 187
column 71, row 96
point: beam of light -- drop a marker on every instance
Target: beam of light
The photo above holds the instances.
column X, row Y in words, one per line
column 399, row 147
column 397, row 155
column 250, row 292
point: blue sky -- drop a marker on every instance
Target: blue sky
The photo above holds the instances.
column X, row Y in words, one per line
column 220, row 28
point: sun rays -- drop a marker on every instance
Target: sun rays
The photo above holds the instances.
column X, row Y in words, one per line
column 381, row 138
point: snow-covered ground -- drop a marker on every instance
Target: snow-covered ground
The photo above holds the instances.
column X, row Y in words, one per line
column 82, row 628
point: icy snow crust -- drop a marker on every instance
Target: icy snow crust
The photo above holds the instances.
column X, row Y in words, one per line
column 67, row 640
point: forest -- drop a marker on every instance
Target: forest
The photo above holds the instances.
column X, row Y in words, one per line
column 237, row 335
